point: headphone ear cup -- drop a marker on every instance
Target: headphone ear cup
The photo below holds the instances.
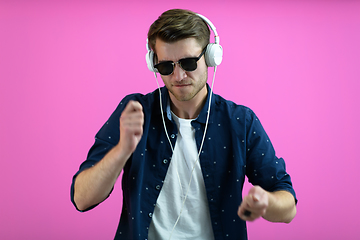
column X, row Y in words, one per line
column 150, row 61
column 213, row 54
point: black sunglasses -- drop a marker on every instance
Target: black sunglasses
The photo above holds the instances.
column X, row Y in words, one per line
column 187, row 64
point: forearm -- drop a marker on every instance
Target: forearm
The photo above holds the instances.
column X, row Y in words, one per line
column 281, row 207
column 93, row 185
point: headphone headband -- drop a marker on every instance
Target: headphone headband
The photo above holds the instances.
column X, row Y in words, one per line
column 213, row 54
column 212, row 27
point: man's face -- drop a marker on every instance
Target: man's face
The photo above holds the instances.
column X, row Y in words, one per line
column 183, row 85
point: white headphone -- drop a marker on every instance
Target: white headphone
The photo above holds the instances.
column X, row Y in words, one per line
column 213, row 54
column 213, row 57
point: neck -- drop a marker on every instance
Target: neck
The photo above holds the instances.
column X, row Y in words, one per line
column 188, row 109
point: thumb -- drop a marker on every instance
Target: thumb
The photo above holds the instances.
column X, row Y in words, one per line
column 133, row 106
column 255, row 197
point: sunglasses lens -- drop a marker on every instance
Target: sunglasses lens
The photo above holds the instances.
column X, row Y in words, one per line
column 188, row 64
column 165, row 68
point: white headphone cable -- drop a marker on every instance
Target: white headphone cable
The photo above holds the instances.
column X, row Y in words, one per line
column 172, row 149
column 167, row 135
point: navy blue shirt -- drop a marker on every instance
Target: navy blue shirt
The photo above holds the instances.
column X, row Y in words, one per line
column 235, row 145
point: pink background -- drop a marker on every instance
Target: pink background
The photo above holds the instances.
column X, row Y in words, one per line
column 65, row 65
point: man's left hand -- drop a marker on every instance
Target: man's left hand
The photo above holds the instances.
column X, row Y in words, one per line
column 254, row 204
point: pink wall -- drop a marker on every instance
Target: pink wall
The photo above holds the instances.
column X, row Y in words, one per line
column 64, row 66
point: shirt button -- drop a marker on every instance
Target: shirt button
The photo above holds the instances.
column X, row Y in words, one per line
column 158, row 187
column 150, row 214
column 172, row 136
column 165, row 161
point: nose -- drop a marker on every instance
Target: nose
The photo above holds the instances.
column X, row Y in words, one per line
column 179, row 73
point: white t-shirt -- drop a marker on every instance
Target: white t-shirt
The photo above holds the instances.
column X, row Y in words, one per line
column 194, row 222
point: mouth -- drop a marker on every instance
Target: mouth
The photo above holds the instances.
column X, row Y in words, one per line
column 182, row 85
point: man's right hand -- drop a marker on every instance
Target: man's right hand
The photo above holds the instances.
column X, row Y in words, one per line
column 131, row 127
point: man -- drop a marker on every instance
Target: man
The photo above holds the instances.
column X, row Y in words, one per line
column 184, row 169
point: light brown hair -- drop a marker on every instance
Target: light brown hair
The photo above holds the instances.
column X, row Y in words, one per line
column 178, row 24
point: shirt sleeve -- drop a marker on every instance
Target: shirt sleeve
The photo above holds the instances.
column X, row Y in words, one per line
column 106, row 138
column 264, row 168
